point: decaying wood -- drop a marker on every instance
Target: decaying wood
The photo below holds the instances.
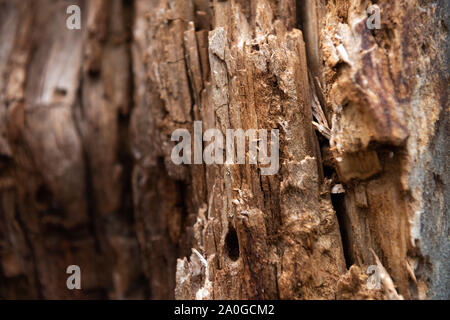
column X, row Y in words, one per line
column 86, row 118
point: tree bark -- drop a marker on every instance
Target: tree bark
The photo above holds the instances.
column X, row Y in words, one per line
column 86, row 118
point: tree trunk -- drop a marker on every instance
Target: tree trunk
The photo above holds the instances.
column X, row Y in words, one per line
column 87, row 177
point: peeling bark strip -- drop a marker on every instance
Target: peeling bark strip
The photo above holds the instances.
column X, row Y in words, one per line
column 86, row 175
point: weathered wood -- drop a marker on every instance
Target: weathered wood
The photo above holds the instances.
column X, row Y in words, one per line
column 86, row 175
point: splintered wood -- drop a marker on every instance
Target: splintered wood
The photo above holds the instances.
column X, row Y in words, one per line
column 358, row 97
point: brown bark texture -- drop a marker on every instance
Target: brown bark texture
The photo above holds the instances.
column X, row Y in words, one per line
column 86, row 176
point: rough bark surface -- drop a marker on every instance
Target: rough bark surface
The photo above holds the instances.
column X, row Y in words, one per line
column 86, row 175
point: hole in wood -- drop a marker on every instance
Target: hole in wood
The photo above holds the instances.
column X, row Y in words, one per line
column 43, row 195
column 232, row 244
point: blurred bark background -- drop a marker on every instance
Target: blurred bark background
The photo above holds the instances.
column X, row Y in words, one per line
column 86, row 176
